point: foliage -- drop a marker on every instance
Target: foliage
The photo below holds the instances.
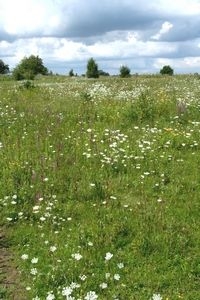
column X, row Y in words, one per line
column 124, row 71
column 118, row 216
column 166, row 70
column 29, row 67
column 103, row 73
column 27, row 84
column 71, row 73
column 92, row 69
column 4, row 69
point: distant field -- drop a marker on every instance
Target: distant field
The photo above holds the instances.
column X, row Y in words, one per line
column 100, row 187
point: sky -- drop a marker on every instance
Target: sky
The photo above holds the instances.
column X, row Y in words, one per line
column 141, row 34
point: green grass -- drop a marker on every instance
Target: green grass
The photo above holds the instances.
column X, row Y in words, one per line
column 90, row 168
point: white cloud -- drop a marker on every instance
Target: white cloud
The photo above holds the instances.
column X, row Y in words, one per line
column 145, row 33
column 179, row 7
column 192, row 61
column 186, row 64
column 166, row 27
column 25, row 17
column 129, row 46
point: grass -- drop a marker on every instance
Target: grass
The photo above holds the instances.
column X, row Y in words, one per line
column 99, row 189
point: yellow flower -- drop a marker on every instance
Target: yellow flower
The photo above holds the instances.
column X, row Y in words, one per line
column 168, row 129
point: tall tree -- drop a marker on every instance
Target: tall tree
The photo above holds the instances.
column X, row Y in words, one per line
column 4, row 69
column 71, row 73
column 92, row 69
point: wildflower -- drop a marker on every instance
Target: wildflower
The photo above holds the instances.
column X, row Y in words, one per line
column 108, row 256
column 24, row 256
column 34, row 271
column 53, row 248
column 107, row 275
column 50, row 296
column 117, row 277
column 77, row 256
column 120, row 265
column 91, row 296
column 36, row 207
column 156, row 297
column 67, row 291
column 113, row 197
column 34, row 260
column 83, row 277
column 74, row 285
column 103, row 285
column 36, row 298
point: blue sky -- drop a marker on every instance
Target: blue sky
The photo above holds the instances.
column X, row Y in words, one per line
column 144, row 35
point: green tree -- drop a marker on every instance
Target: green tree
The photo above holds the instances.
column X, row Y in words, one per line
column 71, row 73
column 92, row 69
column 124, row 71
column 103, row 73
column 167, row 70
column 4, row 69
column 29, row 67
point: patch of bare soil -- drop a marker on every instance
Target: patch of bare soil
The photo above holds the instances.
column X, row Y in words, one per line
column 9, row 276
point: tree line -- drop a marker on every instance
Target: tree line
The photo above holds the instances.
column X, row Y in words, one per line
column 33, row 65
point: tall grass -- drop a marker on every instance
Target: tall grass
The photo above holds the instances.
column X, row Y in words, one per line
column 99, row 189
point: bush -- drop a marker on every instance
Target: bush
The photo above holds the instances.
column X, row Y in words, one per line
column 29, row 67
column 27, row 84
column 124, row 71
column 167, row 70
column 103, row 73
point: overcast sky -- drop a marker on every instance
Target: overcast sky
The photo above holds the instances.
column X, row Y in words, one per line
column 142, row 34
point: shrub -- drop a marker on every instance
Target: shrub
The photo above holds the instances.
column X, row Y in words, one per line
column 103, row 73
column 167, row 70
column 124, row 71
column 29, row 67
column 27, row 84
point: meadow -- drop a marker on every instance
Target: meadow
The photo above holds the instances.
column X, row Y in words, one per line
column 100, row 187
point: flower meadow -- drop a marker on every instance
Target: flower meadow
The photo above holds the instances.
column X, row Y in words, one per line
column 99, row 188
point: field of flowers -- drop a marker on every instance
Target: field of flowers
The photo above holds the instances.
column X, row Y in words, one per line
column 100, row 187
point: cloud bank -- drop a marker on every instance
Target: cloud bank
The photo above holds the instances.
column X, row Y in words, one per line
column 65, row 33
